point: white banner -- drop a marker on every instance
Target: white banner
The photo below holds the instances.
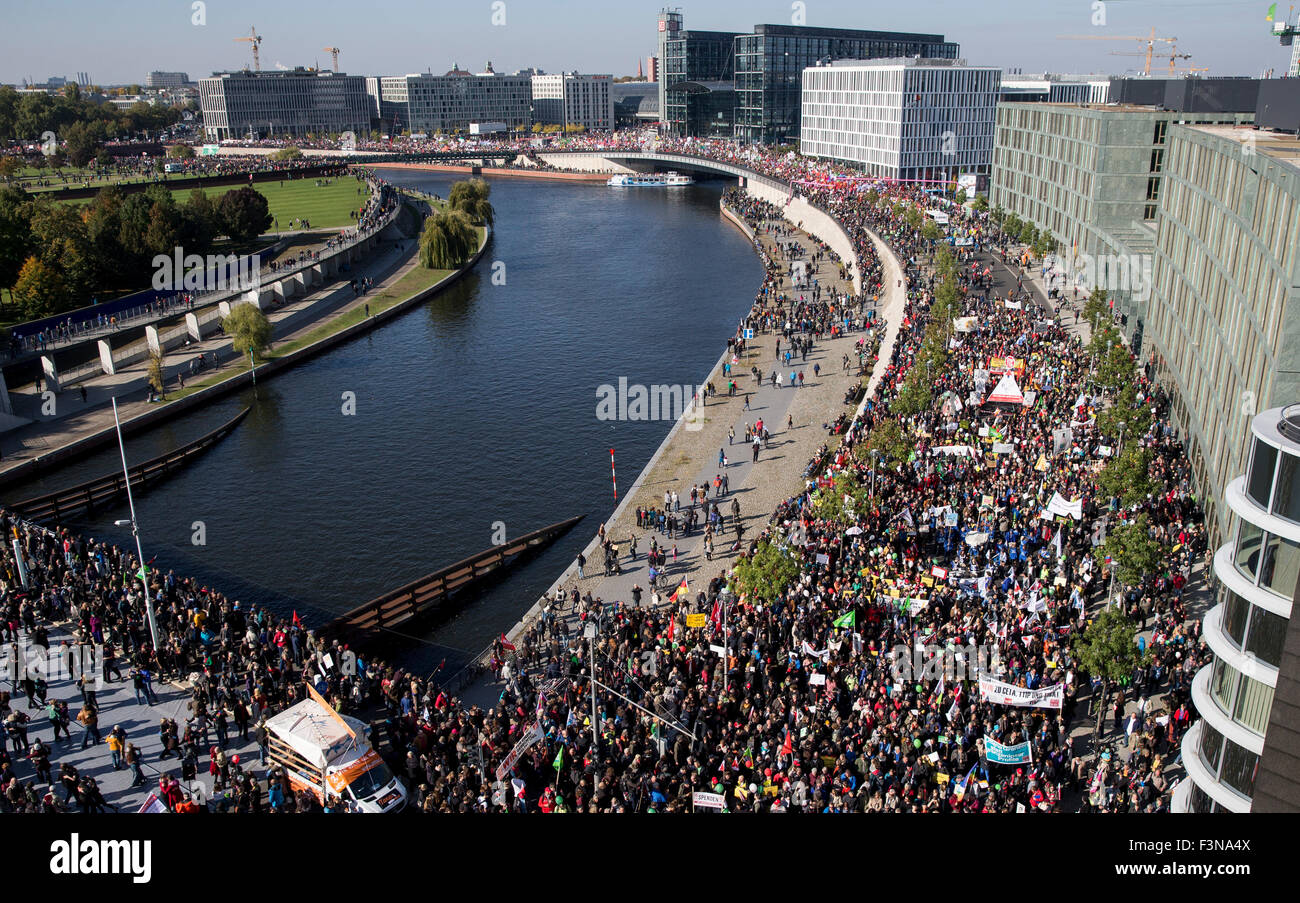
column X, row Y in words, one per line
column 1006, row 694
column 531, row 736
column 1059, row 505
column 708, row 800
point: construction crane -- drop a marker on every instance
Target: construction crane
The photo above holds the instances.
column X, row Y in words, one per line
column 334, row 52
column 253, row 38
column 1151, row 41
column 1174, row 56
column 1285, row 35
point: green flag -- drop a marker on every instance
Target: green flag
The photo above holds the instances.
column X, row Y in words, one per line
column 559, row 759
column 848, row 619
column 1272, row 11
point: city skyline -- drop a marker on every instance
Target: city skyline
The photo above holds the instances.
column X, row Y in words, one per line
column 1230, row 37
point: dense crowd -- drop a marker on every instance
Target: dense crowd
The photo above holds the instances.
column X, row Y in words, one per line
column 795, row 695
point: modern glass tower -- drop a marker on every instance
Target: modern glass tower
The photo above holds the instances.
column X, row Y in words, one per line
column 1243, row 754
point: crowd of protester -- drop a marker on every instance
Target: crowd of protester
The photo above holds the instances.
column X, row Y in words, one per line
column 793, row 696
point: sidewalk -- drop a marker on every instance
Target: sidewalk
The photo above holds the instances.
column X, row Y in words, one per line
column 691, row 457
column 73, row 419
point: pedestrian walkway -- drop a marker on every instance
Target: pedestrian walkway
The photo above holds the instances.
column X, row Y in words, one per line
column 86, row 409
column 691, row 457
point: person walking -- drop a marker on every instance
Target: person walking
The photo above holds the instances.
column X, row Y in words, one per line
column 89, row 721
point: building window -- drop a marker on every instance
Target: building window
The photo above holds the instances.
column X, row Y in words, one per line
column 1286, row 503
column 1235, row 613
column 1246, row 552
column 1211, row 747
column 1266, row 636
column 1239, row 767
column 1199, row 801
column 1280, row 568
column 1260, row 480
column 1254, row 699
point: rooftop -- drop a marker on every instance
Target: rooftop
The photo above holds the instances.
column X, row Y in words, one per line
column 1281, row 146
column 895, row 61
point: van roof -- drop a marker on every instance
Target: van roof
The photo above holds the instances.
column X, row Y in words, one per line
column 314, row 732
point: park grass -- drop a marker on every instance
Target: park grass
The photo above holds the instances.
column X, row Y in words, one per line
column 326, row 207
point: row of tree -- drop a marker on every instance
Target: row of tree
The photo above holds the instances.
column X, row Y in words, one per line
column 81, row 124
column 56, row 257
column 1039, row 241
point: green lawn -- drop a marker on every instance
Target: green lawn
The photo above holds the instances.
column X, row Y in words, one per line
column 324, row 207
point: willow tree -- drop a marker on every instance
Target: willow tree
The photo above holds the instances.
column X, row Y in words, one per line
column 471, row 198
column 448, row 240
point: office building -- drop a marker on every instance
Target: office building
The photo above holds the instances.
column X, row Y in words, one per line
column 158, row 79
column 910, row 119
column 1243, row 754
column 292, row 102
column 652, row 69
column 447, row 103
column 770, row 61
column 569, row 99
column 1223, row 319
column 704, row 57
column 636, row 104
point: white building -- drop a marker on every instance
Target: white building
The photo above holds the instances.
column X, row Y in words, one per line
column 1054, row 88
column 567, row 98
column 157, row 79
column 902, row 118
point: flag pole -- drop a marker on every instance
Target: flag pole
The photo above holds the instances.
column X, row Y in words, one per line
column 612, row 475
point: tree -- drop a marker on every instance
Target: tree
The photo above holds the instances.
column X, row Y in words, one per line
column 448, row 240
column 471, row 198
column 15, row 233
column 887, row 438
column 1134, row 552
column 41, row 290
column 248, row 328
column 980, row 204
column 180, row 152
column 1097, row 309
column 843, row 501
column 931, row 231
column 961, row 195
column 244, row 213
column 157, row 378
column 287, row 153
column 764, row 575
column 10, row 167
column 1107, row 648
column 82, row 141
column 1127, row 476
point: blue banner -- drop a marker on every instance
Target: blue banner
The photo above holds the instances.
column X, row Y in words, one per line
column 998, row 754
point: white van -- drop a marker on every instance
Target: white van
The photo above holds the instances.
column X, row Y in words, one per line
column 324, row 752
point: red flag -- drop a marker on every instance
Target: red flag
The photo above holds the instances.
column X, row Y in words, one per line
column 787, row 748
column 297, row 621
column 506, row 644
column 672, row 627
column 717, row 610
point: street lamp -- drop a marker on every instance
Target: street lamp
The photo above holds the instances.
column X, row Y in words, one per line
column 135, row 530
column 1122, row 427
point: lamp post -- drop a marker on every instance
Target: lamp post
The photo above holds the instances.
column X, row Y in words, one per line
column 726, row 641
column 1122, row 426
column 135, row 530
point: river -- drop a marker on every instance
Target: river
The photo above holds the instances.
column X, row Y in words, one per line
column 475, row 413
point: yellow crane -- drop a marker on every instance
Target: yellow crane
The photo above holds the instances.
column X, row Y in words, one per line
column 334, row 52
column 1174, row 56
column 253, row 38
column 1151, row 41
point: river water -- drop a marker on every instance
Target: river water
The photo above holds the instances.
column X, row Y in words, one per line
column 475, row 412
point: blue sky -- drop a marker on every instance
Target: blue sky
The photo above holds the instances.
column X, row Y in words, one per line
column 121, row 41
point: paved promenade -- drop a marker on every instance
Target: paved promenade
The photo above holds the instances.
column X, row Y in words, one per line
column 690, row 457
column 75, row 417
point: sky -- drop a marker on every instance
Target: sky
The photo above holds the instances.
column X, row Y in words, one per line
column 120, row 42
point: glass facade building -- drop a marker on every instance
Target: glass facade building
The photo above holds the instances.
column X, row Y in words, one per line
column 1243, row 741
column 770, row 64
column 295, row 102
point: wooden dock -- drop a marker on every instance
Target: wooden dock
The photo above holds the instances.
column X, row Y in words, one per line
column 109, row 489
column 420, row 597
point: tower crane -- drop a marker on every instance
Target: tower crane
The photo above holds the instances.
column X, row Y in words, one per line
column 1151, row 41
column 253, row 38
column 334, row 52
